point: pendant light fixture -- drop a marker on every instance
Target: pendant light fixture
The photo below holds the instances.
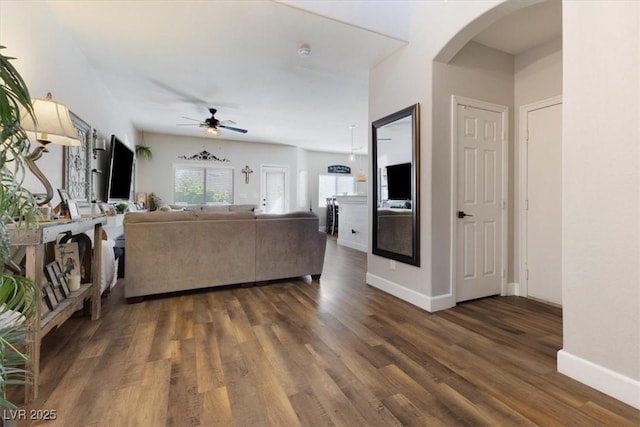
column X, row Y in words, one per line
column 352, row 156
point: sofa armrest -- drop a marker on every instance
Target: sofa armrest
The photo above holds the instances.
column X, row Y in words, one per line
column 288, row 246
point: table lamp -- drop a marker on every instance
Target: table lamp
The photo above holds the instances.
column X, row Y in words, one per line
column 52, row 126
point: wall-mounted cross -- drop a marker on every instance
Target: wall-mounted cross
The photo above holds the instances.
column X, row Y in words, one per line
column 246, row 171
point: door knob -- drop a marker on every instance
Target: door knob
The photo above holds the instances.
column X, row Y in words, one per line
column 461, row 214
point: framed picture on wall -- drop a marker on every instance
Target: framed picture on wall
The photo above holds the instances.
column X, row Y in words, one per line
column 77, row 163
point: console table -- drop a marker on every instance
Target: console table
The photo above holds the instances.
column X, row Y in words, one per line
column 34, row 240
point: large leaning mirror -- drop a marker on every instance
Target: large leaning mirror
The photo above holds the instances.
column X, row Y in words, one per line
column 395, row 173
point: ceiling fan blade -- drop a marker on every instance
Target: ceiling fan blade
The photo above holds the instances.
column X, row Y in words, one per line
column 227, row 122
column 181, row 95
column 189, row 124
column 233, row 129
column 189, row 118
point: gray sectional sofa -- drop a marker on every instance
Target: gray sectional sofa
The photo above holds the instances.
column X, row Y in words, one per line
column 183, row 250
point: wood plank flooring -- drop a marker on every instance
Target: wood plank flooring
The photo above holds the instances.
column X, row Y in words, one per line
column 302, row 353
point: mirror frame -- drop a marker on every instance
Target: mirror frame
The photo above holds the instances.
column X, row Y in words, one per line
column 412, row 111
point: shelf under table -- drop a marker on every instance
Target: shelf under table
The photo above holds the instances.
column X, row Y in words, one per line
column 65, row 309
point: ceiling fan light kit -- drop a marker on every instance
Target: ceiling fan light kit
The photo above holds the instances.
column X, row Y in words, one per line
column 213, row 131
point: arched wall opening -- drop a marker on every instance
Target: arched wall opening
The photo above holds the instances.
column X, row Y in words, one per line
column 464, row 67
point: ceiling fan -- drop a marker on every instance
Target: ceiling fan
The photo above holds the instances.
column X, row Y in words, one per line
column 213, row 125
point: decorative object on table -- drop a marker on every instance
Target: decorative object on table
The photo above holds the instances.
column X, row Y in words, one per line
column 44, row 213
column 17, row 207
column 203, row 155
column 68, row 257
column 48, row 296
column 246, row 171
column 64, row 202
column 77, row 166
column 121, row 208
column 107, row 209
column 74, row 213
column 141, row 199
column 62, row 280
column 53, row 273
column 53, row 127
column 154, row 202
column 74, row 282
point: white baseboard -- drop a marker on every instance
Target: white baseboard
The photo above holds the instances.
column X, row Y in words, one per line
column 603, row 379
column 513, row 289
column 425, row 302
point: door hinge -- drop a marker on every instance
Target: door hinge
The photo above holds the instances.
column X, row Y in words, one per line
column 526, row 139
column 526, row 205
column 503, row 204
column 526, row 274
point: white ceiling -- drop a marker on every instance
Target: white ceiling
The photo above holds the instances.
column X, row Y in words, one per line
column 165, row 60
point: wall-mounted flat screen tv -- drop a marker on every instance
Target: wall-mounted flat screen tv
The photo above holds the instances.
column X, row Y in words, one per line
column 120, row 173
column 399, row 181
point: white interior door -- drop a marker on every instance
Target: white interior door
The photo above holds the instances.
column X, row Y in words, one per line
column 480, row 202
column 274, row 189
column 543, row 257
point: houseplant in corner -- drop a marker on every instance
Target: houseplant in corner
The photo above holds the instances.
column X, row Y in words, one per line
column 18, row 295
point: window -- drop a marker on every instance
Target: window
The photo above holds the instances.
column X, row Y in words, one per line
column 194, row 185
column 330, row 185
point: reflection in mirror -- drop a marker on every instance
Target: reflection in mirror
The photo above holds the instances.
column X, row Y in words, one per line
column 395, row 156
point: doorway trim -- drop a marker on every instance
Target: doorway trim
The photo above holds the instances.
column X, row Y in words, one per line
column 457, row 101
column 521, row 288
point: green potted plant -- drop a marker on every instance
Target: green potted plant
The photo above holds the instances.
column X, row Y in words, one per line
column 121, row 208
column 18, row 295
column 144, row 152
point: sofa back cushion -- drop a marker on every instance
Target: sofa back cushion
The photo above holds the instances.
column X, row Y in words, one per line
column 159, row 216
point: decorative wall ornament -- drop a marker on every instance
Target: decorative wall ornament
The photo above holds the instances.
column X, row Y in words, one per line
column 203, row 155
column 339, row 169
column 246, row 171
column 77, row 164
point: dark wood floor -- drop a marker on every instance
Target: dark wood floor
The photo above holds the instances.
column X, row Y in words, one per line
column 337, row 352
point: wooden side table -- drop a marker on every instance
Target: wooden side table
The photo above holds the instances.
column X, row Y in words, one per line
column 34, row 240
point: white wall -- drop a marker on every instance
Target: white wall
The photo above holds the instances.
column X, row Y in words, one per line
column 601, row 196
column 50, row 61
column 156, row 175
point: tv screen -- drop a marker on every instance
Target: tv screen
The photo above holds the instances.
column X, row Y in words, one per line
column 120, row 171
column 399, row 181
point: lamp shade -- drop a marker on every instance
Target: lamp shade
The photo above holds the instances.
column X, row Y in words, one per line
column 52, row 125
column 361, row 176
